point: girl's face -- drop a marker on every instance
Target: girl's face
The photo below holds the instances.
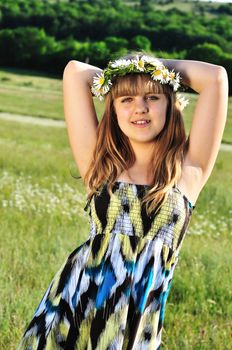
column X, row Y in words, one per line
column 141, row 117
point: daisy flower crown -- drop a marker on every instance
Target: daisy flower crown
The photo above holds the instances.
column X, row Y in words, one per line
column 102, row 82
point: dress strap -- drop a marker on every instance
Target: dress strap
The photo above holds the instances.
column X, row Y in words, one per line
column 191, row 206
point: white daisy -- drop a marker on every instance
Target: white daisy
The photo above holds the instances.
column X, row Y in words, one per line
column 174, row 80
column 106, row 87
column 183, row 102
column 157, row 75
column 165, row 76
column 178, row 78
column 101, row 85
column 99, row 80
column 138, row 64
column 96, row 92
column 120, row 63
column 151, row 60
column 176, row 86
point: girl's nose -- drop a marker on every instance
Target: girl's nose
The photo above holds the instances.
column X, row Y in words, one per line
column 141, row 106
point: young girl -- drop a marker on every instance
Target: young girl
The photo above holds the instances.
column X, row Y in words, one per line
column 143, row 177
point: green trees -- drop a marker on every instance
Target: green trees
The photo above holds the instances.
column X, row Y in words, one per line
column 213, row 54
column 25, row 46
column 46, row 34
column 205, row 52
column 140, row 42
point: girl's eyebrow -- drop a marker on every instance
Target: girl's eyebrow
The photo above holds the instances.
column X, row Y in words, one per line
column 151, row 93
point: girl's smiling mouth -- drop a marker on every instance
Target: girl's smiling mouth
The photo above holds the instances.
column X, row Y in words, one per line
column 141, row 122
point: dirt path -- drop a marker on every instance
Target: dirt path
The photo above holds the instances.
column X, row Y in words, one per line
column 32, row 120
column 59, row 124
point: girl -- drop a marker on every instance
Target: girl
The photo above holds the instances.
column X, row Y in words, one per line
column 143, row 177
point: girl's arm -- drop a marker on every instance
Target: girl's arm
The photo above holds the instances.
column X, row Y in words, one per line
column 209, row 118
column 79, row 111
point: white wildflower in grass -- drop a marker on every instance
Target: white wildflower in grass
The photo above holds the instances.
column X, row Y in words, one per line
column 215, row 220
column 4, row 203
column 62, row 200
column 55, row 199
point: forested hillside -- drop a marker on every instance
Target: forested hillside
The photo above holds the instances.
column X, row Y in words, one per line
column 46, row 34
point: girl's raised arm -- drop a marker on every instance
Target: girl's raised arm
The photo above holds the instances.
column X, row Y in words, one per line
column 209, row 118
column 79, row 111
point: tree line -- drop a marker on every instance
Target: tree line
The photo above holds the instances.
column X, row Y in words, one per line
column 46, row 34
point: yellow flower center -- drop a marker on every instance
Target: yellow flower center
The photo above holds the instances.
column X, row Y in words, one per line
column 157, row 72
column 172, row 76
column 101, row 80
column 140, row 63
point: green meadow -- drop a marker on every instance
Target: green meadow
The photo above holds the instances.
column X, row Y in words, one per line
column 42, row 221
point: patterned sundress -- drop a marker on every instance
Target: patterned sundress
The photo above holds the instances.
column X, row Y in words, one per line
column 110, row 293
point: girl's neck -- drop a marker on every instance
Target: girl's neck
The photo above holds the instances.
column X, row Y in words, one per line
column 140, row 171
column 133, row 175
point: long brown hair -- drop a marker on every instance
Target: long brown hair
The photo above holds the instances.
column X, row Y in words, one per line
column 113, row 152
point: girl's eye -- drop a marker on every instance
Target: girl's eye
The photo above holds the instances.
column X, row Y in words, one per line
column 127, row 99
column 152, row 97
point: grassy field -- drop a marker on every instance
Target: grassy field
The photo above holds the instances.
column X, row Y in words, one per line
column 185, row 6
column 42, row 221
